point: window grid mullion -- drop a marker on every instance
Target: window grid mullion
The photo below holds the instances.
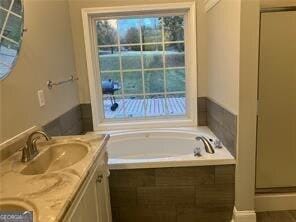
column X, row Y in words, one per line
column 138, row 44
column 142, row 71
column 6, row 19
column 139, row 70
column 8, row 39
column 150, row 94
column 164, row 65
column 10, row 12
column 120, row 71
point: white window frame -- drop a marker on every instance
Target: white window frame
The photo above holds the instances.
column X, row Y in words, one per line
column 89, row 15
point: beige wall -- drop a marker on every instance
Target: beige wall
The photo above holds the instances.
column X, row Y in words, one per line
column 247, row 118
column 223, row 25
column 47, row 53
column 233, row 40
column 78, row 39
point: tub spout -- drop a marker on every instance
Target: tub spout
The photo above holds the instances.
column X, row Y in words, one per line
column 208, row 146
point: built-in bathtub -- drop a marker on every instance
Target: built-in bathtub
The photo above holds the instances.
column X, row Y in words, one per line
column 154, row 176
column 156, row 148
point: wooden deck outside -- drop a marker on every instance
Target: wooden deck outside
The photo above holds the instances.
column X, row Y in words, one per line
column 136, row 107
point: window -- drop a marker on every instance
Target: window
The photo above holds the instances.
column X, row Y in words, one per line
column 142, row 64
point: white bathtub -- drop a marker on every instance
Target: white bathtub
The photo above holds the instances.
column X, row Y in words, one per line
column 162, row 148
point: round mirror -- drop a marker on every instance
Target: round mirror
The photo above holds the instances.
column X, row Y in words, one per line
column 11, row 31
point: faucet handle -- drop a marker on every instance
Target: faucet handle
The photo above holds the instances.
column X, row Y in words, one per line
column 218, row 144
column 197, row 151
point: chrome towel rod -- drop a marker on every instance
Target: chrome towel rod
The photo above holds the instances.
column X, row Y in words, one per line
column 51, row 84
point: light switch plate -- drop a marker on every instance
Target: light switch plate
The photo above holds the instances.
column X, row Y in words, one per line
column 41, row 98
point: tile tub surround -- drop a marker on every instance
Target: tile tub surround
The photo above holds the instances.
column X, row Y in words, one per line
column 51, row 192
column 180, row 194
column 202, row 111
column 76, row 121
column 69, row 123
column 86, row 117
column 88, row 124
column 223, row 124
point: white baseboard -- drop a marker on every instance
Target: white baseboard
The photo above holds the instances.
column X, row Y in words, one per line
column 275, row 202
column 244, row 216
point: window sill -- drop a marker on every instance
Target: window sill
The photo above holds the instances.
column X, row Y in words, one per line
column 163, row 123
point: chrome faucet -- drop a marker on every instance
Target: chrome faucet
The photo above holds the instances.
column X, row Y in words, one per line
column 30, row 150
column 208, row 146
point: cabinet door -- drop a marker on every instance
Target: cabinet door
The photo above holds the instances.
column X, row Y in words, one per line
column 93, row 201
column 77, row 215
column 104, row 194
column 88, row 207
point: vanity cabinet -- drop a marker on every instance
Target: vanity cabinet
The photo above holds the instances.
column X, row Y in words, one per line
column 92, row 202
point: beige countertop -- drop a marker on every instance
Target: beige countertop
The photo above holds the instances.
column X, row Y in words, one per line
column 49, row 194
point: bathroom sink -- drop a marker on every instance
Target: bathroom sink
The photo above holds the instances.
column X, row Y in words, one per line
column 56, row 157
column 17, row 205
column 12, row 207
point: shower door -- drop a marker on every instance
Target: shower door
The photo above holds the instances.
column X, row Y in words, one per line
column 276, row 134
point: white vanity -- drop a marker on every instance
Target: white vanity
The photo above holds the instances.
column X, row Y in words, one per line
column 66, row 182
column 92, row 200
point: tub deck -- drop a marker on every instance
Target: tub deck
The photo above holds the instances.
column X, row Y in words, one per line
column 154, row 107
column 163, row 148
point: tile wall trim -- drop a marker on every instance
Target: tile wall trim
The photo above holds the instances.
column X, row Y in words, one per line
column 69, row 123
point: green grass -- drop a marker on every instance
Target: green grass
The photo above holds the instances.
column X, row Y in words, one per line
column 132, row 81
column 154, row 81
column 13, row 29
column 175, row 80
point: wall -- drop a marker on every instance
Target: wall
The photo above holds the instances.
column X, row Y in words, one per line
column 47, row 53
column 223, row 25
column 78, row 39
column 233, row 40
column 247, row 118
